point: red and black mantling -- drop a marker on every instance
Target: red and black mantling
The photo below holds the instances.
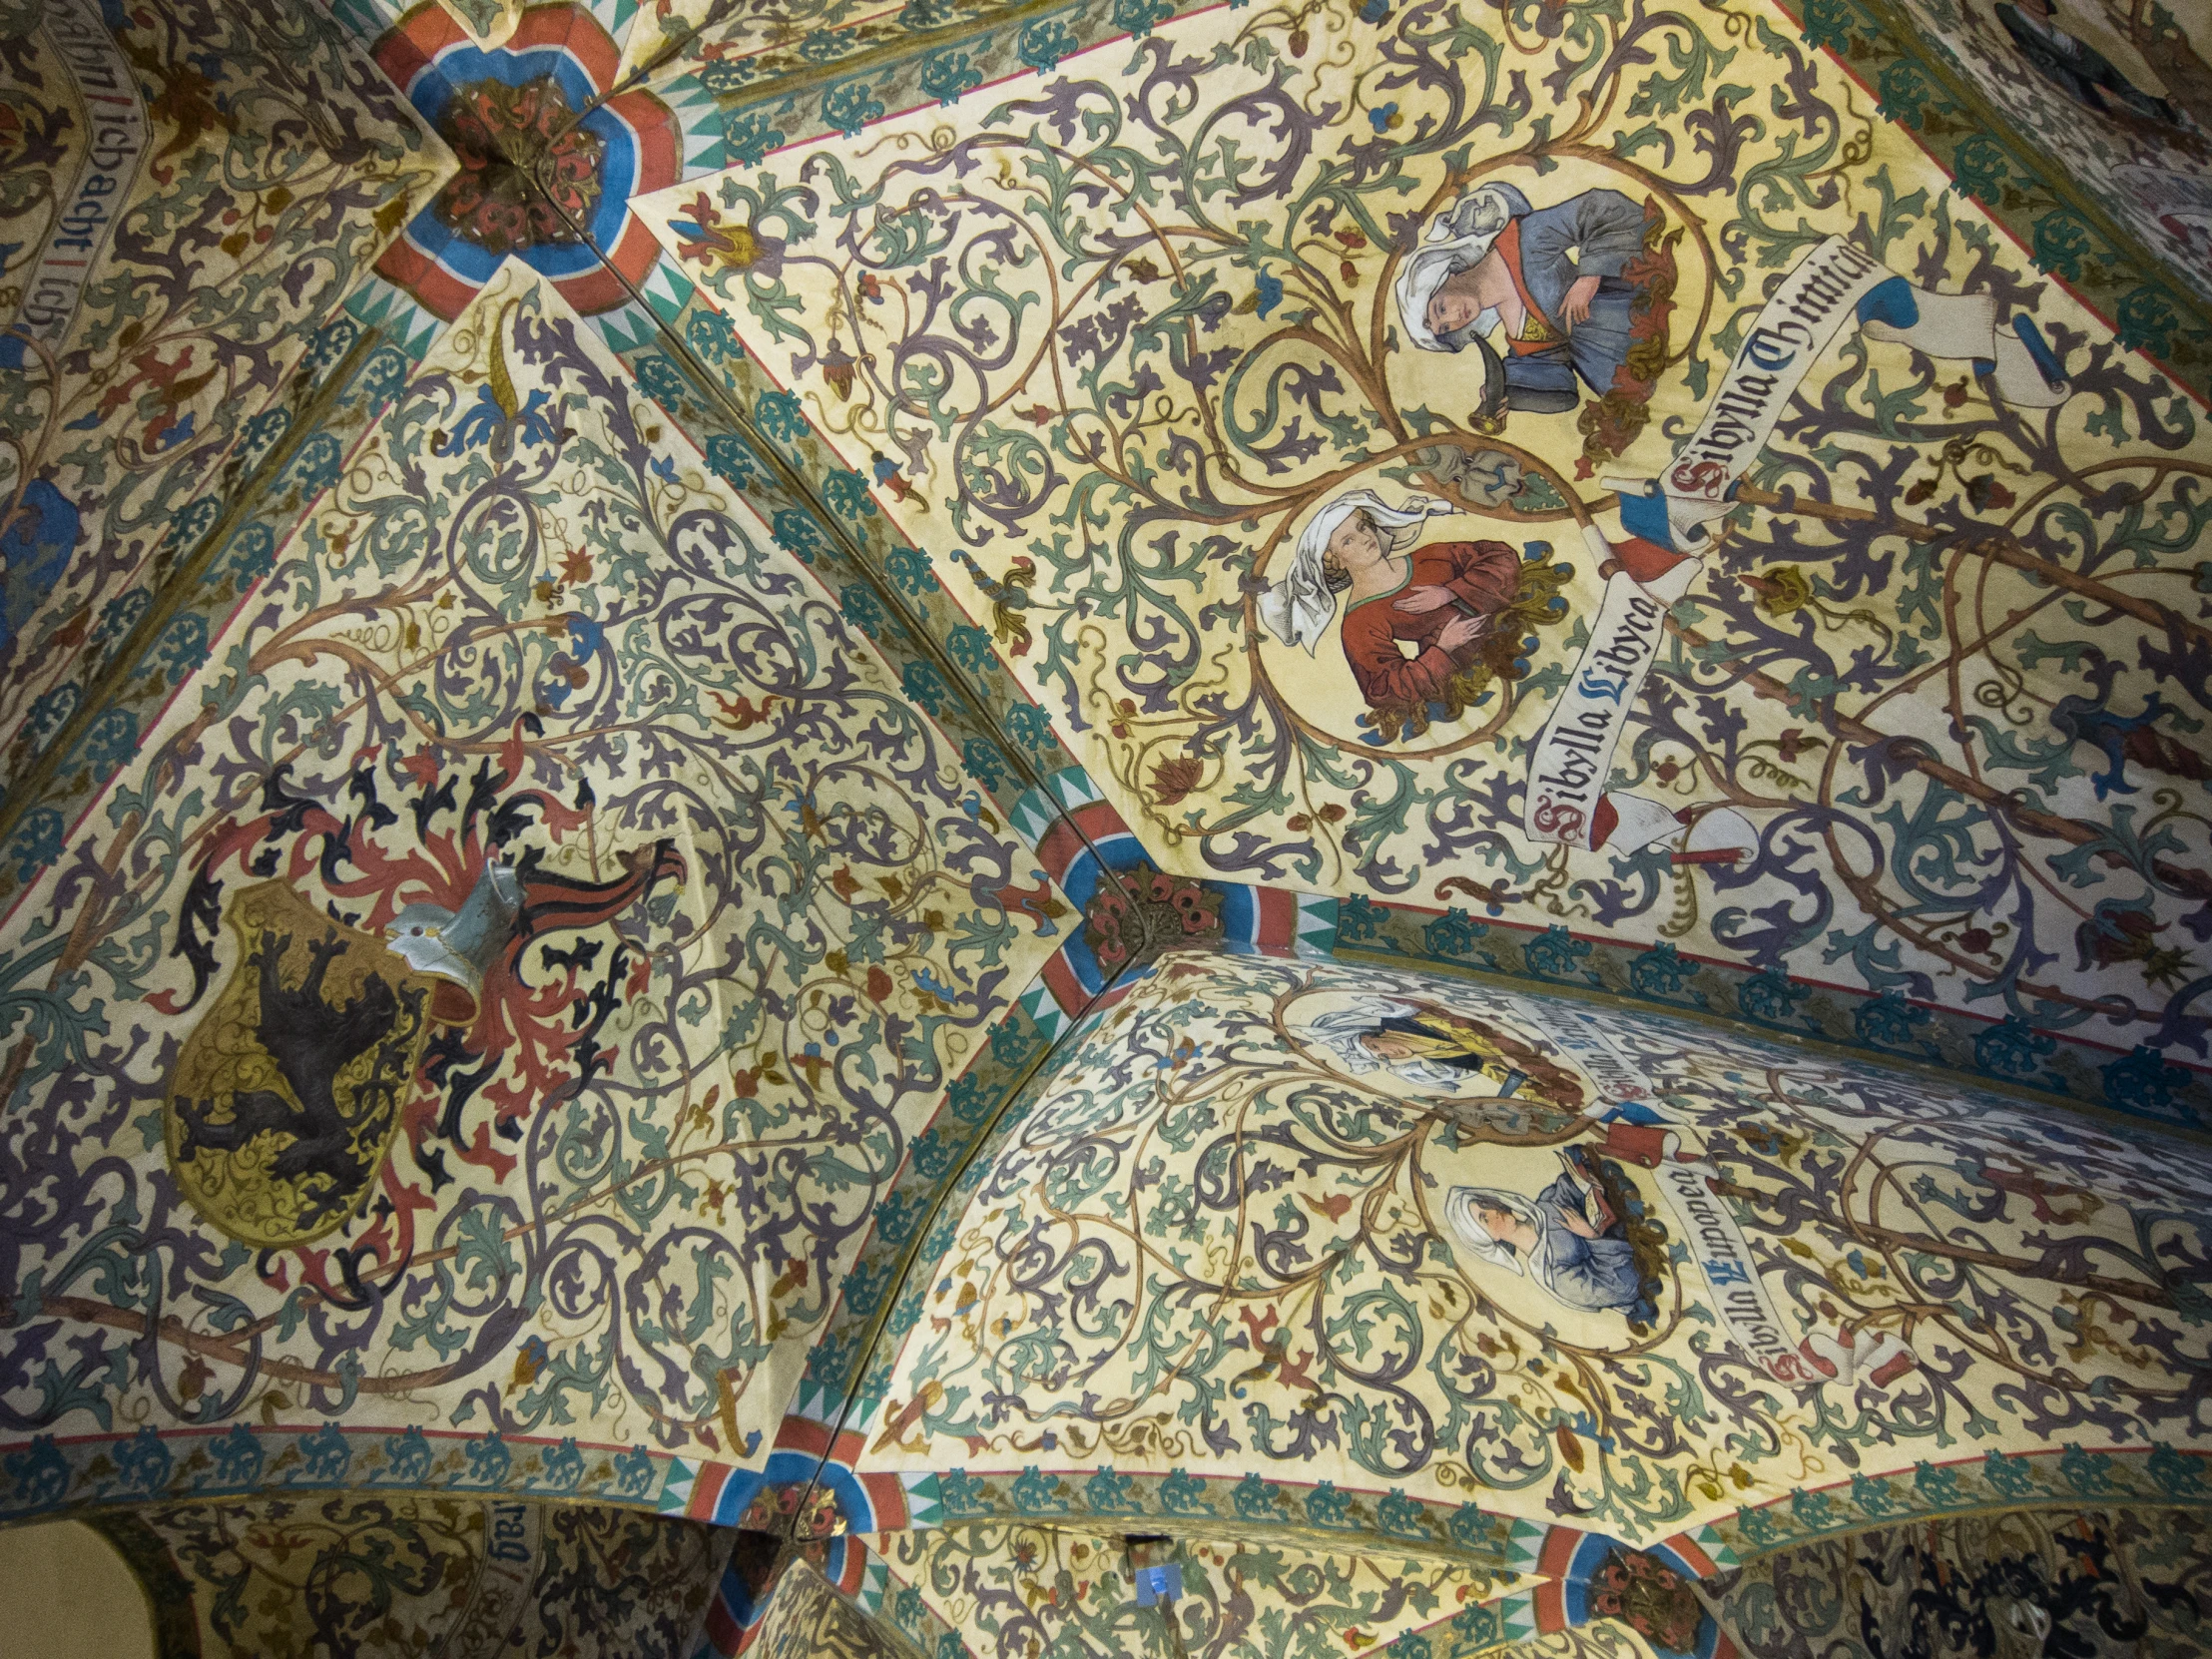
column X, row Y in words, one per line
column 533, row 1037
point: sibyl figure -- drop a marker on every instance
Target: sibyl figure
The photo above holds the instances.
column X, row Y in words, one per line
column 1567, row 1238
column 1415, row 618
column 1576, row 288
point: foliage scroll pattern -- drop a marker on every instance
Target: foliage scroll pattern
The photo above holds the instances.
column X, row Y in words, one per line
column 277, row 164
column 1210, row 1249
column 2138, row 169
column 2134, row 1581
column 1106, row 346
column 624, row 1192
column 466, row 1578
column 761, row 65
column 808, row 1619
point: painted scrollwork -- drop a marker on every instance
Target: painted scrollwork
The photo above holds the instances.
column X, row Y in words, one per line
column 671, row 893
column 1212, row 1245
column 1108, row 347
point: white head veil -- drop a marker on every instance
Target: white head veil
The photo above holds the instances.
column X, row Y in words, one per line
column 1341, row 1034
column 1457, row 239
column 1466, row 1226
column 1299, row 608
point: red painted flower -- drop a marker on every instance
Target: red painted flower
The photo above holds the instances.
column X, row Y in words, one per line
column 1174, row 779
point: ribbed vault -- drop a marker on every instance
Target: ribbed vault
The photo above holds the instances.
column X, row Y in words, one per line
column 825, row 826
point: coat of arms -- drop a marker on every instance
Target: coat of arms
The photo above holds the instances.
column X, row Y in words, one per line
column 286, row 1095
column 285, row 1101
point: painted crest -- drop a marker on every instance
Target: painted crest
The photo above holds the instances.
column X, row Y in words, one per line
column 286, row 1095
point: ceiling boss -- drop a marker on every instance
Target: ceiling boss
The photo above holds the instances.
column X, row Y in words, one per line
column 553, row 146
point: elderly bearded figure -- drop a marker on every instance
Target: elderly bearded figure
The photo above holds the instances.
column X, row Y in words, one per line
column 1581, row 292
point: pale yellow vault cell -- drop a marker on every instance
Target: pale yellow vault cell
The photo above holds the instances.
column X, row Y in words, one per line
column 66, row 1594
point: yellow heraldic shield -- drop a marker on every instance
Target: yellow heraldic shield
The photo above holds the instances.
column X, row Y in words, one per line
column 285, row 1099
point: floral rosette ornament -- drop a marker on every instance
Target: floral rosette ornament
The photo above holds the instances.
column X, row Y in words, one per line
column 490, row 200
column 550, row 154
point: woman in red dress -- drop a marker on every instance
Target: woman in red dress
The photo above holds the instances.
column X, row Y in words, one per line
column 1415, row 617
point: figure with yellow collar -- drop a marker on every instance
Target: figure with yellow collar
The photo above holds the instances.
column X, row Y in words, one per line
column 1436, row 1047
column 1578, row 293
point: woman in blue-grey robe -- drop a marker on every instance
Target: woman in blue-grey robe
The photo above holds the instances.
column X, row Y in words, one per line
column 1584, row 1262
column 1557, row 278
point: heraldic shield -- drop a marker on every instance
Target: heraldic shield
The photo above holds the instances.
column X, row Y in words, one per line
column 286, row 1095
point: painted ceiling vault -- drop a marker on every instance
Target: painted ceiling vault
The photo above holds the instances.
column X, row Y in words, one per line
column 1095, row 827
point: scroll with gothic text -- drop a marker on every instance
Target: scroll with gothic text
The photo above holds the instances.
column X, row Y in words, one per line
column 85, row 217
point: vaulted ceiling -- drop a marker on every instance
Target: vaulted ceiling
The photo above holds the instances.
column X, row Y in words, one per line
column 847, row 772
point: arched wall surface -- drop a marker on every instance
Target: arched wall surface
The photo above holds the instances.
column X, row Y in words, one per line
column 1228, row 1239
column 2089, row 1580
column 67, row 1593
column 1221, row 1137
column 1110, row 430
column 2124, row 1580
column 1003, row 1585
column 529, row 653
column 454, row 1577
